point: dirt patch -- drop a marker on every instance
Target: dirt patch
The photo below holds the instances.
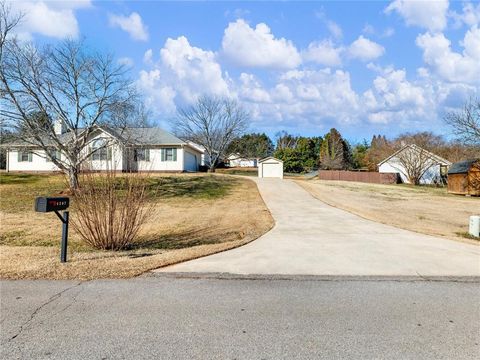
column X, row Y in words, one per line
column 201, row 217
column 425, row 210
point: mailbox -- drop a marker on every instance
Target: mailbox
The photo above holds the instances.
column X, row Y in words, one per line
column 48, row 204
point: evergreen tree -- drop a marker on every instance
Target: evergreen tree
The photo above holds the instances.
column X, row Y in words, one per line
column 335, row 152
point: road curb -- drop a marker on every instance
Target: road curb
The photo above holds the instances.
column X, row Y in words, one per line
column 289, row 277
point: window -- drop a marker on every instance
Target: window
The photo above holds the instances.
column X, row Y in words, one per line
column 24, row 156
column 142, row 155
column 55, row 154
column 100, row 150
column 169, row 154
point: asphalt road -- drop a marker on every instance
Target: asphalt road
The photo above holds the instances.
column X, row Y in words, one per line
column 166, row 317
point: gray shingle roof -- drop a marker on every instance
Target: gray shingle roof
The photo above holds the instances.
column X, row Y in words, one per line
column 462, row 167
column 148, row 136
column 137, row 136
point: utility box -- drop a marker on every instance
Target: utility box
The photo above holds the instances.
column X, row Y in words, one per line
column 48, row 204
column 474, row 228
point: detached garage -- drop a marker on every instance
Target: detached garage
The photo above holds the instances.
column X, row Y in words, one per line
column 270, row 167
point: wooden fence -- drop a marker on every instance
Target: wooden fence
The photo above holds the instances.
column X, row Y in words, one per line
column 359, row 176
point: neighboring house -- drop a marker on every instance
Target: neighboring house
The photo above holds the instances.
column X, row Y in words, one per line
column 432, row 167
column 130, row 149
column 236, row 160
column 464, row 178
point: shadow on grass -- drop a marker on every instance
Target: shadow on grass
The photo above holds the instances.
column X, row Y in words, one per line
column 186, row 239
column 202, row 187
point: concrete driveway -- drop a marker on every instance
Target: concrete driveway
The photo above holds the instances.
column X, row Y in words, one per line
column 313, row 238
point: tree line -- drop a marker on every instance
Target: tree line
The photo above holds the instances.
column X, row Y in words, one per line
column 83, row 88
column 332, row 151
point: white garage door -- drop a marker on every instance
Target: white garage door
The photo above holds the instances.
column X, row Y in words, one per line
column 272, row 170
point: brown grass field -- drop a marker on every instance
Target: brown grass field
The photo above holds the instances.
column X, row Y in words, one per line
column 193, row 216
column 426, row 210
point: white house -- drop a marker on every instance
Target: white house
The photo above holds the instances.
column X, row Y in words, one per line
column 236, row 160
column 270, row 167
column 130, row 149
column 433, row 167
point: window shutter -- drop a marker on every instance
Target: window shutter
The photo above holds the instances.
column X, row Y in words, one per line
column 29, row 157
column 19, row 156
column 174, row 154
column 147, row 154
column 109, row 153
column 162, row 154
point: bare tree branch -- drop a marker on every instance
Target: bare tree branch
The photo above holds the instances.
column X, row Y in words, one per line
column 212, row 123
column 66, row 83
column 466, row 123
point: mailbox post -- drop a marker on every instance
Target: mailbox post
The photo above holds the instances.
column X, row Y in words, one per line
column 55, row 204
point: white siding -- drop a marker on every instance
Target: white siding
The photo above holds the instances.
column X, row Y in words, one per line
column 38, row 163
column 156, row 163
column 240, row 162
column 119, row 159
column 394, row 166
column 116, row 162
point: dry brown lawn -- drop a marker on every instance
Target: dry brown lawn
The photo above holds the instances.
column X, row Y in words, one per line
column 425, row 210
column 194, row 215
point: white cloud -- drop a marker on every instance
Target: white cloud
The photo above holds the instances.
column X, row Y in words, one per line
column 431, row 15
column 182, row 74
column 334, row 29
column 159, row 96
column 470, row 15
column 132, row 24
column 323, row 53
column 304, row 96
column 237, row 13
column 251, row 89
column 127, row 61
column 394, row 98
column 449, row 65
column 257, row 47
column 365, row 49
column 148, row 56
column 370, row 30
column 52, row 19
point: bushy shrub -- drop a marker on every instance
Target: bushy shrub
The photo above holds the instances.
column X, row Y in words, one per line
column 110, row 209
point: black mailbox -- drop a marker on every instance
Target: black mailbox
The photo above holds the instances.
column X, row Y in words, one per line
column 47, row 204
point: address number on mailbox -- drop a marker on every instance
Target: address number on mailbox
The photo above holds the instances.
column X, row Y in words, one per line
column 48, row 204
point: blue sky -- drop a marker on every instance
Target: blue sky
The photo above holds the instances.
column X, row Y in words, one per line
column 363, row 67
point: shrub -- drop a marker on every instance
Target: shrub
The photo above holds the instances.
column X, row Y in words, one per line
column 110, row 209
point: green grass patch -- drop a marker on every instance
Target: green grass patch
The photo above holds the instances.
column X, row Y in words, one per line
column 197, row 187
column 22, row 189
column 19, row 179
column 467, row 235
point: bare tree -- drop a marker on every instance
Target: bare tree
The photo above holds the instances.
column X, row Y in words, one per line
column 68, row 84
column 466, row 123
column 414, row 162
column 213, row 123
column 285, row 140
